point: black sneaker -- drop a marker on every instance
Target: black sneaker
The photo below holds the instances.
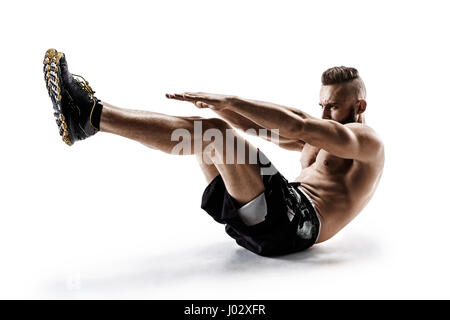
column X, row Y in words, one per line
column 72, row 97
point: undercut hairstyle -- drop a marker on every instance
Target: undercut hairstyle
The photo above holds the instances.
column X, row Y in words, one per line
column 341, row 75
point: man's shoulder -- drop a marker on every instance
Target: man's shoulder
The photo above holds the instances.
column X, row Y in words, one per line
column 364, row 129
column 358, row 126
column 367, row 136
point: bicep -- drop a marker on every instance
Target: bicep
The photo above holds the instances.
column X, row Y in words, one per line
column 352, row 141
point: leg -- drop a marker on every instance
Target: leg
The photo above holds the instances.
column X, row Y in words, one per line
column 242, row 180
column 149, row 128
column 209, row 170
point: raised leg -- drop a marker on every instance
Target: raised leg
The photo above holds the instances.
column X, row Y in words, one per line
column 234, row 162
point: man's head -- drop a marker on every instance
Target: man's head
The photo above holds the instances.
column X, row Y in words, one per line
column 342, row 95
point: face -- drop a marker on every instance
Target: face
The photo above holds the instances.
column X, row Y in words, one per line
column 338, row 103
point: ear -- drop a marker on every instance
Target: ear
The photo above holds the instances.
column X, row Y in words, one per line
column 361, row 106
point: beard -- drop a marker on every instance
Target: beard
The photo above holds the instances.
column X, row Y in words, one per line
column 349, row 119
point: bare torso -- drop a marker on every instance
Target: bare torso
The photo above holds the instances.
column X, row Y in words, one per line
column 340, row 188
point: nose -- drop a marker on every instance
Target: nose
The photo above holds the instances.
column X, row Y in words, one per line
column 326, row 113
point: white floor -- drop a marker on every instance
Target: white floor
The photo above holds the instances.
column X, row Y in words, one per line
column 131, row 232
column 110, row 218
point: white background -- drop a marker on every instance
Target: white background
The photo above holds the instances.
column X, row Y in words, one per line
column 110, row 218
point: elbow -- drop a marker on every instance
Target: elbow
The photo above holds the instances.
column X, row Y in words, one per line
column 295, row 129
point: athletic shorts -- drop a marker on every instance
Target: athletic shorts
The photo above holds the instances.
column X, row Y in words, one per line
column 291, row 223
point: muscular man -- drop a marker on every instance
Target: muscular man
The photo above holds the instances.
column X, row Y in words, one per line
column 342, row 158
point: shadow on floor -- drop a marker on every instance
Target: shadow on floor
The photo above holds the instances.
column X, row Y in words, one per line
column 210, row 262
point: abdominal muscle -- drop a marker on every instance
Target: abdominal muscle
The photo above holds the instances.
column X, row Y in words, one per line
column 331, row 197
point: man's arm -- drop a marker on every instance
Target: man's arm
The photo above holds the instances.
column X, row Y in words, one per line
column 264, row 114
column 351, row 141
column 240, row 122
column 243, row 123
column 269, row 115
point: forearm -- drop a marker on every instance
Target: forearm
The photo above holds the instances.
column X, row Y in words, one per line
column 269, row 115
column 255, row 115
column 237, row 120
column 240, row 122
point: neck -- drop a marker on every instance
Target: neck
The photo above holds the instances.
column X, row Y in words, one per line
column 361, row 119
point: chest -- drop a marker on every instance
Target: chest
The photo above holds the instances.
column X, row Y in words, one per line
column 323, row 160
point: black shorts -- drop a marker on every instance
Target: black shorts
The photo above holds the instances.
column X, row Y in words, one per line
column 291, row 223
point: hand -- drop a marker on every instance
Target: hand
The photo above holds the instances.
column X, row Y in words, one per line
column 202, row 100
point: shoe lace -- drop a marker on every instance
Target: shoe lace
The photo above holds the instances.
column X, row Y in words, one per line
column 85, row 85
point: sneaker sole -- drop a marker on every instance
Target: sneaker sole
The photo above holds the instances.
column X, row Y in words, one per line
column 52, row 76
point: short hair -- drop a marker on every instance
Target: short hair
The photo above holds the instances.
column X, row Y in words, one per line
column 338, row 75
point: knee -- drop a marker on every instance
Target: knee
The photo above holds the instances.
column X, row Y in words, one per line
column 216, row 133
column 217, row 130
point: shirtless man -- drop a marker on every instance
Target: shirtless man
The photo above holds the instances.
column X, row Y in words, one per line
column 342, row 158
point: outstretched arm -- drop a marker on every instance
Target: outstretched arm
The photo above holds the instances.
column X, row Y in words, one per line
column 243, row 123
column 351, row 141
column 265, row 114
column 240, row 122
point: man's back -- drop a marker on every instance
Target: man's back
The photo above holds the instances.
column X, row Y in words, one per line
column 340, row 188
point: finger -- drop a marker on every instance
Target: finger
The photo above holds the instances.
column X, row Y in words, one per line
column 199, row 97
column 190, row 95
column 173, row 96
column 178, row 96
column 170, row 96
column 198, row 94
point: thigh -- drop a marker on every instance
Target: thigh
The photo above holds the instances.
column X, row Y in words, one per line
column 209, row 170
column 243, row 181
column 236, row 162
